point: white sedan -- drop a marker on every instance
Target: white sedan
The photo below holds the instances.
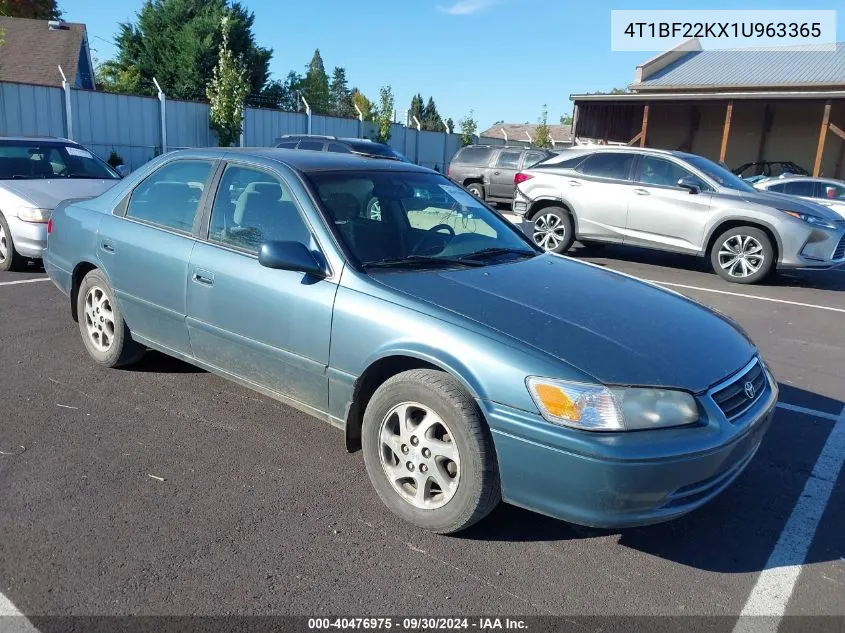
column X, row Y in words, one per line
column 824, row 191
column 36, row 175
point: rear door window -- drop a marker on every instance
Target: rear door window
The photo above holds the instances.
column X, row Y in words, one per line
column 339, row 149
column 313, row 145
column 800, row 188
column 170, row 196
column 508, row 160
column 615, row 165
column 532, row 158
column 287, row 145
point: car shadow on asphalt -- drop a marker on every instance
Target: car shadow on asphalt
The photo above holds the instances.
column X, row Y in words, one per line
column 735, row 532
column 158, row 363
column 816, row 279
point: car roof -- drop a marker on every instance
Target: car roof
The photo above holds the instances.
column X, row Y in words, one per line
column 37, row 138
column 305, row 161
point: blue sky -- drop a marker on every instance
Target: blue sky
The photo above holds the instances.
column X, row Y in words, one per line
column 502, row 58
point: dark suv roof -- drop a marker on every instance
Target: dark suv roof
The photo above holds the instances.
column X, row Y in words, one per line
column 362, row 146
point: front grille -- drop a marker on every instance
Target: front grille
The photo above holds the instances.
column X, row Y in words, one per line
column 839, row 251
column 733, row 398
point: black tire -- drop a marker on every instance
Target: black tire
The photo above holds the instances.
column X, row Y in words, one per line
column 758, row 251
column 552, row 229
column 12, row 261
column 477, row 490
column 121, row 350
column 476, row 189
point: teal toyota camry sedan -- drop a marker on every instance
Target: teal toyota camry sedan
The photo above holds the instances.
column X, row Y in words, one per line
column 467, row 366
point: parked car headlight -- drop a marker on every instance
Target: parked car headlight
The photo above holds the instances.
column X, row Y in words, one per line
column 599, row 408
column 33, row 214
column 810, row 219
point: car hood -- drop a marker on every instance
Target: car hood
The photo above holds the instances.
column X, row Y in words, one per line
column 47, row 194
column 782, row 201
column 613, row 327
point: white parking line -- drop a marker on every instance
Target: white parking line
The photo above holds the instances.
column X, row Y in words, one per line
column 776, row 582
column 23, row 281
column 745, row 296
column 814, row 412
column 19, row 624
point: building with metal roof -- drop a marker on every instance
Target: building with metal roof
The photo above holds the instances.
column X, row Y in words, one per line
column 737, row 106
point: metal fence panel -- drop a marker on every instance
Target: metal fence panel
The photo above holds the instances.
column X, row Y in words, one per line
column 187, row 125
column 128, row 124
column 262, row 126
column 27, row 110
column 333, row 126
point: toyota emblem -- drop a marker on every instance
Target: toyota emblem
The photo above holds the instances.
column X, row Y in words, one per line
column 749, row 389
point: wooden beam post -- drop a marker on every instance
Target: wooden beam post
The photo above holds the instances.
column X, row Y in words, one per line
column 817, row 166
column 645, row 126
column 726, row 130
column 764, row 131
column 636, row 139
column 838, row 131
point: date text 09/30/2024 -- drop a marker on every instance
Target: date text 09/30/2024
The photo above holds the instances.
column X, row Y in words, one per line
column 417, row 624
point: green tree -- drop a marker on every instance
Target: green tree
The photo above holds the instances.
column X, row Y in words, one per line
column 366, row 106
column 416, row 110
column 468, row 126
column 542, row 135
column 227, row 90
column 450, row 124
column 384, row 116
column 282, row 95
column 315, row 88
column 339, row 95
column 566, row 119
column 34, row 9
column 431, row 117
column 177, row 42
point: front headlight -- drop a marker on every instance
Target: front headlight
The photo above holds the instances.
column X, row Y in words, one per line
column 599, row 408
column 33, row 214
column 810, row 219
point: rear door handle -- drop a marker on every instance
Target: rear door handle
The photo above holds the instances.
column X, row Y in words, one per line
column 107, row 246
column 574, row 183
column 203, row 277
column 641, row 192
column 496, row 173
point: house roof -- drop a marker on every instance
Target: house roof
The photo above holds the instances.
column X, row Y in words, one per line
column 31, row 52
column 750, row 68
column 517, row 132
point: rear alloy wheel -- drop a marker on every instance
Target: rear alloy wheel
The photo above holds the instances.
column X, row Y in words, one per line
column 553, row 230
column 101, row 324
column 742, row 255
column 476, row 189
column 429, row 453
column 9, row 259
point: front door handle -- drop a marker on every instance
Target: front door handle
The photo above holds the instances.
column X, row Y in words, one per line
column 496, row 173
column 107, row 246
column 641, row 192
column 574, row 183
column 203, row 277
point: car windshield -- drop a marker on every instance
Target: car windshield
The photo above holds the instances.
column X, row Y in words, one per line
column 375, row 149
column 718, row 173
column 411, row 219
column 34, row 160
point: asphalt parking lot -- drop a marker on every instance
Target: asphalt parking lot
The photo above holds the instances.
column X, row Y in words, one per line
column 162, row 489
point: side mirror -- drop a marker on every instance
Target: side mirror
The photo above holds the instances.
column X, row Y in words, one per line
column 290, row 256
column 122, row 170
column 690, row 184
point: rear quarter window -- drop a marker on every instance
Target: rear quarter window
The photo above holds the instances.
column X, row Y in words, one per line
column 474, row 156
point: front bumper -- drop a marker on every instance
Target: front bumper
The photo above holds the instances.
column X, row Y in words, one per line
column 617, row 480
column 30, row 238
column 812, row 248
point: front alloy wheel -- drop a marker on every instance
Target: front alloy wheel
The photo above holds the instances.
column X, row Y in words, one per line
column 743, row 255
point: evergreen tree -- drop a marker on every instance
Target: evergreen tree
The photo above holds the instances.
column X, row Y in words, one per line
column 431, row 117
column 366, row 106
column 33, row 9
column 450, row 124
column 339, row 95
column 283, row 95
column 416, row 110
column 315, row 88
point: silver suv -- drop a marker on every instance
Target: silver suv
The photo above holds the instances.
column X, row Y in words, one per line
column 488, row 171
column 677, row 202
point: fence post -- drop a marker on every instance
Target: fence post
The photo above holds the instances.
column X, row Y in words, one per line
column 68, row 110
column 360, row 120
column 163, row 111
column 243, row 126
column 417, row 148
column 307, row 112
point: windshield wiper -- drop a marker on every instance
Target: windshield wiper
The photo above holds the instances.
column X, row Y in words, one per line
column 419, row 261
column 494, row 251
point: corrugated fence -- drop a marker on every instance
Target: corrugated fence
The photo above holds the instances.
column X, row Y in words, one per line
column 132, row 125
